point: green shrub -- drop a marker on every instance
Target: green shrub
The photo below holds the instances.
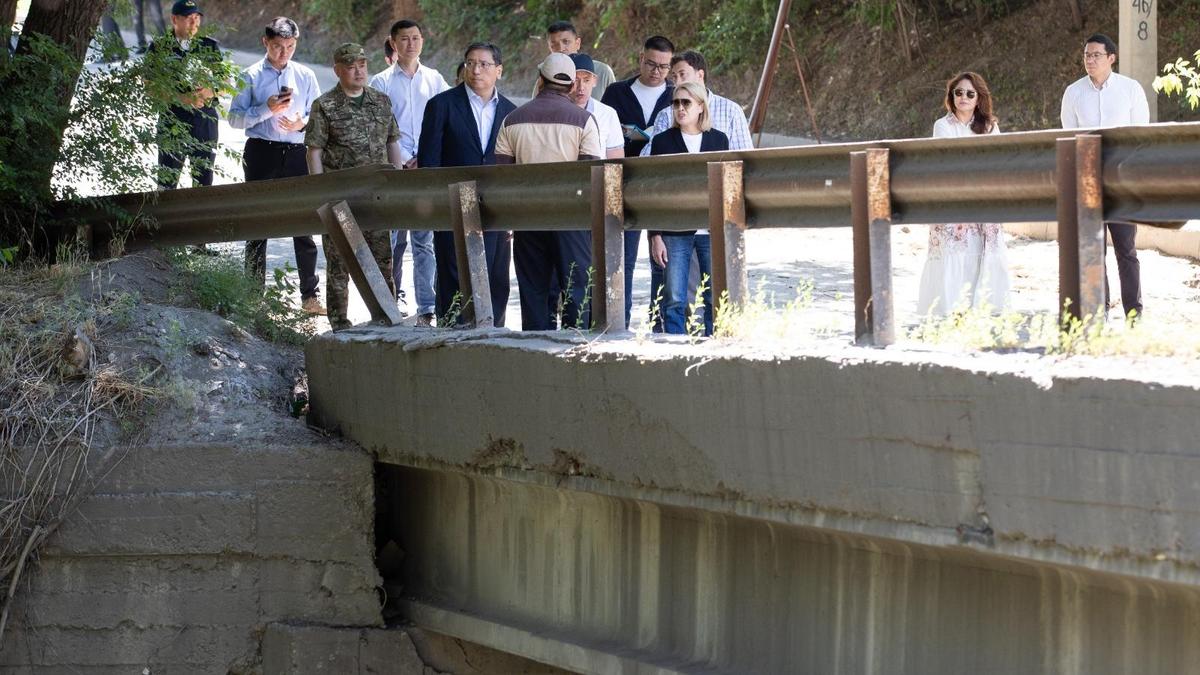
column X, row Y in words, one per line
column 220, row 285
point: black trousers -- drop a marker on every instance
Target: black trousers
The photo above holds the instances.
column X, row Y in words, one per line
column 109, row 25
column 543, row 256
column 1129, row 270
column 498, row 251
column 265, row 160
column 201, row 126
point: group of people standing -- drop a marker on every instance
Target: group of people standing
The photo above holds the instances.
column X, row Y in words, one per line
column 967, row 266
column 408, row 115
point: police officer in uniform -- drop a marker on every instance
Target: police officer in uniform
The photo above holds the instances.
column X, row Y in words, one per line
column 352, row 125
column 195, row 108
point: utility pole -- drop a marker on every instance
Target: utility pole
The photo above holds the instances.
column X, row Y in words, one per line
column 1138, row 46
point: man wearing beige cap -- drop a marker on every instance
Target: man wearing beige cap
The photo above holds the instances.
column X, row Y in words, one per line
column 551, row 128
column 351, row 125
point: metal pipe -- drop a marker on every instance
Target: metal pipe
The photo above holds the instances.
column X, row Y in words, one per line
column 758, row 111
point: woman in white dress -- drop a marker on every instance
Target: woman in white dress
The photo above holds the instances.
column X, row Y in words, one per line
column 967, row 266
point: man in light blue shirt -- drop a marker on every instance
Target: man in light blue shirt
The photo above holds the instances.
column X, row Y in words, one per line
column 273, row 108
column 410, row 85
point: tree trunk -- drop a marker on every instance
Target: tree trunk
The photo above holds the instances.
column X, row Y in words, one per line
column 8, row 14
column 1076, row 15
column 70, row 23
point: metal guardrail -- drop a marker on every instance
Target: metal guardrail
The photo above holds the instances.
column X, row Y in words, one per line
column 1148, row 173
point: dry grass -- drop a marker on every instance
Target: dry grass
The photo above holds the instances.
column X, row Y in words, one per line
column 54, row 395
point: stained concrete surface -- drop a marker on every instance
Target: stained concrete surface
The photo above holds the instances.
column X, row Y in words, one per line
column 604, row 584
column 186, row 553
column 1064, row 460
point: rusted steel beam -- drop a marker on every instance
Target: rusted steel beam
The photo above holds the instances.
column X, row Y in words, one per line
column 1150, row 176
column 879, row 234
column 758, row 110
column 861, row 231
column 1089, row 192
column 727, row 230
column 608, row 249
column 469, row 250
column 1068, row 229
column 356, row 255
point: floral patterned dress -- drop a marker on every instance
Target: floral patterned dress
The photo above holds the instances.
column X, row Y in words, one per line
column 967, row 263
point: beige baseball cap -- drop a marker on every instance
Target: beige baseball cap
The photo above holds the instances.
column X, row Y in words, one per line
column 558, row 68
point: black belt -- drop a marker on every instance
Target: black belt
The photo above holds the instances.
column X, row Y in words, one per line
column 281, row 144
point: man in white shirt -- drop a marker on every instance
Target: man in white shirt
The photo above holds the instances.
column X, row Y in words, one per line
column 1106, row 99
column 638, row 101
column 410, row 85
column 612, row 138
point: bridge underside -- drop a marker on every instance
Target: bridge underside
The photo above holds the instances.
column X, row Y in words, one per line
column 853, row 512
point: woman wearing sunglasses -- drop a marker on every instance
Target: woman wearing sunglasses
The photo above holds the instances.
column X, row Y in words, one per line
column 967, row 265
column 691, row 131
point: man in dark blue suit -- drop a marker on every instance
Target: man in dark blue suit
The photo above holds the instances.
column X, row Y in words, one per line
column 637, row 102
column 459, row 129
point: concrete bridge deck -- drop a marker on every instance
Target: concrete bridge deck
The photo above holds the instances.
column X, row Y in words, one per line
column 615, row 507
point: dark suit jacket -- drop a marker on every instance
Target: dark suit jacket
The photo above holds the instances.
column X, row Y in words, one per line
column 449, row 136
column 670, row 142
column 620, row 96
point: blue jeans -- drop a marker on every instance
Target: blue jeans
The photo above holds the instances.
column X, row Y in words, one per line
column 424, row 266
column 679, row 263
column 633, row 239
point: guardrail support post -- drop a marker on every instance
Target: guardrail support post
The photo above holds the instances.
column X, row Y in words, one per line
column 1089, row 193
column 1068, row 229
column 608, row 249
column 871, row 219
column 471, row 256
column 341, row 227
column 727, row 229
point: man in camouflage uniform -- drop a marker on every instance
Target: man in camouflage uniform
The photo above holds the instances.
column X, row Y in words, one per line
column 351, row 125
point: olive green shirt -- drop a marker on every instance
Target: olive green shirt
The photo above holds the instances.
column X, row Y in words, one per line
column 351, row 134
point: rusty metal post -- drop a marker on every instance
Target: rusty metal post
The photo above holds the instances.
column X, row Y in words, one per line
column 471, row 256
column 860, row 226
column 1089, row 192
column 356, row 255
column 879, row 215
column 608, row 249
column 727, row 229
column 1068, row 229
column 758, row 111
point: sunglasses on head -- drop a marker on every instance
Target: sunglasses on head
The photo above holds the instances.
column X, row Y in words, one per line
column 964, row 92
column 684, row 103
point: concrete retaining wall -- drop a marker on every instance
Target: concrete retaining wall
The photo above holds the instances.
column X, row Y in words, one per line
column 186, row 554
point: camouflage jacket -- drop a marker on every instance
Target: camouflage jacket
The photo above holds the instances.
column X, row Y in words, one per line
column 351, row 135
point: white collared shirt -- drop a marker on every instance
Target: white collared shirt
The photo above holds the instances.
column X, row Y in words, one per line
column 409, row 96
column 484, row 112
column 611, row 135
column 950, row 127
column 727, row 117
column 1119, row 102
